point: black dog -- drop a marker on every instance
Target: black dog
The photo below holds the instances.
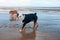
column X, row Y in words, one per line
column 28, row 18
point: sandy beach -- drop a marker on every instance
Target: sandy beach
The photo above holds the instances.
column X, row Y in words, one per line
column 11, row 32
column 48, row 29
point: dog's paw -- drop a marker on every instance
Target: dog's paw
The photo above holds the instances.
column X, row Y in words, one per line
column 20, row 30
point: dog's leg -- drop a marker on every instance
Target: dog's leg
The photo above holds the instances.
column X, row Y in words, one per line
column 35, row 25
column 22, row 27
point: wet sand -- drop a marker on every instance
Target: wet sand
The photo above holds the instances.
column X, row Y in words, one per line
column 48, row 29
column 43, row 32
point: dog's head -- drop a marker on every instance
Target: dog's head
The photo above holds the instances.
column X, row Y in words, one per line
column 21, row 17
column 13, row 12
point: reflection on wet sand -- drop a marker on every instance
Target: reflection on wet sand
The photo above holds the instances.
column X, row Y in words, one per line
column 48, row 29
column 44, row 32
column 12, row 33
column 28, row 36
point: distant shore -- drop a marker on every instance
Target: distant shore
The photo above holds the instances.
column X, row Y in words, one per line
column 32, row 8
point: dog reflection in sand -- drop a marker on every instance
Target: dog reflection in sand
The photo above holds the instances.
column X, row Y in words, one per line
column 13, row 15
column 28, row 36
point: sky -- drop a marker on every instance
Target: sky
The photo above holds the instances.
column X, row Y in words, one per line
column 30, row 3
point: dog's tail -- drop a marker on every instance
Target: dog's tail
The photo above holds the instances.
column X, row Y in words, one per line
column 35, row 13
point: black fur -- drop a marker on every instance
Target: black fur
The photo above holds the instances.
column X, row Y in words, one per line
column 28, row 18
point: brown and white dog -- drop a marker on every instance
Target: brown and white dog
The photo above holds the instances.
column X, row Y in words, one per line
column 13, row 15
